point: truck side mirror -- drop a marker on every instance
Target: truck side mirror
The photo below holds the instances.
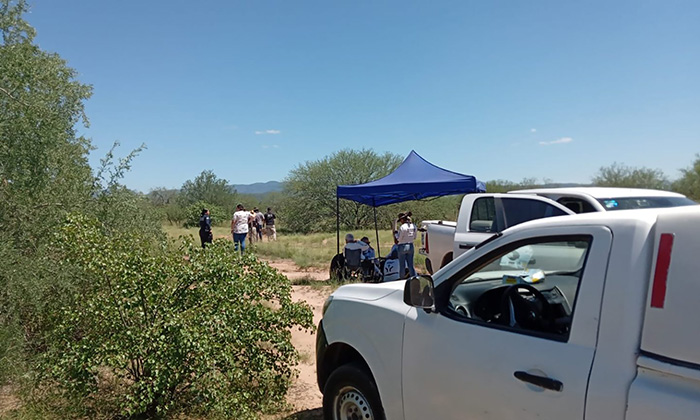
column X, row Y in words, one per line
column 419, row 293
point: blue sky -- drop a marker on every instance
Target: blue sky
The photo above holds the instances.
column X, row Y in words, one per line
column 497, row 89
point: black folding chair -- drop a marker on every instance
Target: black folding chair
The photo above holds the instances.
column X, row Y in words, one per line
column 353, row 264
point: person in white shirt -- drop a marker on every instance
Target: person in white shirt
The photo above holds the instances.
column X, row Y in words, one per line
column 405, row 236
column 239, row 227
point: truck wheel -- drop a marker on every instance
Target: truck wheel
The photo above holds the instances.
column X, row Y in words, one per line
column 351, row 394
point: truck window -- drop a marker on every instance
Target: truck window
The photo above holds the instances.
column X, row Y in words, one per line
column 483, row 215
column 627, row 203
column 523, row 210
column 530, row 287
column 576, row 205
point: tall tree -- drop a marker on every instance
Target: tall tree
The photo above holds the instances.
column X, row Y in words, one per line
column 620, row 175
column 689, row 182
column 209, row 188
column 311, row 202
column 43, row 162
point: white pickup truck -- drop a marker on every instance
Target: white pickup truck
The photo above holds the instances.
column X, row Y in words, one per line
column 481, row 215
column 590, row 316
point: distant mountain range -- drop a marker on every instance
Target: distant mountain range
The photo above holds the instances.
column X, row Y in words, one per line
column 259, row 187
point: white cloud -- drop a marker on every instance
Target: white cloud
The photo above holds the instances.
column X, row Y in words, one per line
column 267, row 132
column 533, row 130
column 557, row 141
column 270, row 146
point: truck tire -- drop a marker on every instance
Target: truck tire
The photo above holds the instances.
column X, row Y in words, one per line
column 350, row 393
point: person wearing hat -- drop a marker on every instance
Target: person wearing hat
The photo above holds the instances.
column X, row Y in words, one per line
column 205, row 234
column 406, row 234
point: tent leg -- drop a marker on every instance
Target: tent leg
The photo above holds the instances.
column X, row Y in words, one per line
column 376, row 230
column 337, row 224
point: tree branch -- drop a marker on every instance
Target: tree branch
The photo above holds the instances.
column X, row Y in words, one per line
column 3, row 90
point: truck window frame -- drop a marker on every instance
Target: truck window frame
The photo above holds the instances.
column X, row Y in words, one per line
column 444, row 290
column 490, row 208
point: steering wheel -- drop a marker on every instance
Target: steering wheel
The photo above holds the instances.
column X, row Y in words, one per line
column 529, row 313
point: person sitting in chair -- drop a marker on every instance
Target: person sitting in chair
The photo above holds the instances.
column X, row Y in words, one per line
column 351, row 244
column 370, row 263
column 353, row 254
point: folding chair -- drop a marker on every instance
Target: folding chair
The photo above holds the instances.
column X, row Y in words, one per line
column 353, row 264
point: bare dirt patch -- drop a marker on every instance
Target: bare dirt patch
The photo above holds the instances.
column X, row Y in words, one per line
column 304, row 395
column 293, row 272
column 8, row 400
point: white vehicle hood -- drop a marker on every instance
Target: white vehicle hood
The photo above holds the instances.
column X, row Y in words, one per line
column 368, row 291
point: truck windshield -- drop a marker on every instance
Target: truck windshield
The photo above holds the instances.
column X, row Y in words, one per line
column 628, row 203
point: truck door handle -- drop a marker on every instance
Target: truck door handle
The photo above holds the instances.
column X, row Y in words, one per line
column 541, row 381
column 465, row 246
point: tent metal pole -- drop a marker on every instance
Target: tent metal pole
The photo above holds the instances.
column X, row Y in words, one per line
column 376, row 229
column 337, row 223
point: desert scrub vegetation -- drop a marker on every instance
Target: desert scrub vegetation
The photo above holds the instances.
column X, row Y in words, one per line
column 159, row 328
column 101, row 315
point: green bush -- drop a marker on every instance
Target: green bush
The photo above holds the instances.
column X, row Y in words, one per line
column 194, row 211
column 161, row 329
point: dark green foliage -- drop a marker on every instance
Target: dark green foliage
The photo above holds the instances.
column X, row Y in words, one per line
column 164, row 329
column 43, row 164
column 689, row 182
column 44, row 174
column 218, row 215
column 310, row 205
column 207, row 187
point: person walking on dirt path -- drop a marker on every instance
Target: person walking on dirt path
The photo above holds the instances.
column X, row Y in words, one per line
column 205, row 234
column 270, row 225
column 406, row 236
column 259, row 222
column 252, row 231
column 239, row 227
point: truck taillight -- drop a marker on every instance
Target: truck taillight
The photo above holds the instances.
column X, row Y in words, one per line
column 427, row 247
column 663, row 262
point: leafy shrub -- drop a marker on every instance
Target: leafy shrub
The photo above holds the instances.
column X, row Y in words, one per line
column 194, row 211
column 163, row 328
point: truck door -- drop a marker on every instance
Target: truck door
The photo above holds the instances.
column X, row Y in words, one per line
column 485, row 214
column 514, row 333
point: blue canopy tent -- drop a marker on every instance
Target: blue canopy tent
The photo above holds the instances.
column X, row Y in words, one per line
column 414, row 179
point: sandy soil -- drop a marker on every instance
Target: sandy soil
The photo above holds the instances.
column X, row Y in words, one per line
column 8, row 400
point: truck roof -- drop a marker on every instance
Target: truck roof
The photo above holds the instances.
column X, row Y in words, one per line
column 600, row 192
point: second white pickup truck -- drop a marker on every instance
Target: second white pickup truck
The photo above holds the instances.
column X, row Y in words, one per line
column 481, row 215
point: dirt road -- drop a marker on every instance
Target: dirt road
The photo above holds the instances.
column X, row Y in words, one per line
column 304, row 396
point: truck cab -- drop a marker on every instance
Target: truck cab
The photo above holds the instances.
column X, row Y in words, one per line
column 480, row 216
